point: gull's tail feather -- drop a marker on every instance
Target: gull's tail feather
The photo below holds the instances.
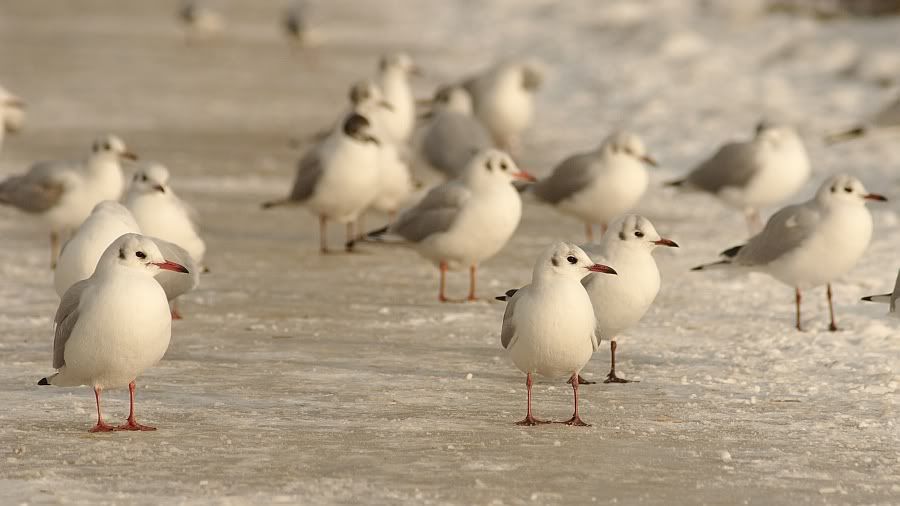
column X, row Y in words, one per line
column 374, row 236
column 47, row 381
column 731, row 252
column 276, row 203
column 884, row 299
column 711, row 266
column 847, row 135
column 678, row 183
column 508, row 295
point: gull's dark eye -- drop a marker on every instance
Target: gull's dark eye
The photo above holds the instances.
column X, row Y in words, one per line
column 503, row 165
column 638, row 233
column 833, row 189
column 487, row 165
column 140, row 254
column 848, row 189
column 106, row 147
column 144, row 177
column 571, row 259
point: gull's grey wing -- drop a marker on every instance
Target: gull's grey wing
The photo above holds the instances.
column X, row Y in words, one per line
column 436, row 212
column 309, row 173
column 65, row 319
column 451, row 140
column 785, row 231
column 508, row 331
column 176, row 283
column 733, row 165
column 889, row 116
column 37, row 190
column 571, row 175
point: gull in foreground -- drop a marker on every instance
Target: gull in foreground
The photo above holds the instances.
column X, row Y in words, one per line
column 503, row 99
column 599, row 185
column 160, row 213
column 754, row 174
column 888, row 298
column 549, row 326
column 464, row 221
column 887, row 118
column 394, row 71
column 452, row 135
column 338, row 178
column 63, row 193
column 109, row 221
column 810, row 244
column 114, row 325
column 620, row 301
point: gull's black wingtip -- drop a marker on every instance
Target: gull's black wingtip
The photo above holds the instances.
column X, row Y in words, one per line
column 698, row 268
column 501, row 298
column 43, row 382
column 867, row 298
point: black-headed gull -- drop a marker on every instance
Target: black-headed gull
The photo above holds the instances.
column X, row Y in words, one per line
column 620, row 301
column 338, row 178
column 503, row 99
column 753, row 174
column 103, row 340
column 451, row 134
column 160, row 213
column 394, row 71
column 599, row 185
column 549, row 326
column 465, row 221
column 888, row 298
column 63, row 193
column 810, row 244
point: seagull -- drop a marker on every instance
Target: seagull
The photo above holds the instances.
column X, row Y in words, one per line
column 810, row 244
column 503, row 99
column 63, row 193
column 753, row 174
column 598, row 185
column 452, row 135
column 12, row 113
column 464, row 221
column 887, row 118
column 161, row 213
column 549, row 326
column 620, row 301
column 338, row 178
column 888, row 298
column 199, row 20
column 107, row 222
column 114, row 325
column 394, row 71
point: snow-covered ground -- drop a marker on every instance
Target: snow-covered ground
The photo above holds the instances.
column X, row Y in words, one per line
column 305, row 379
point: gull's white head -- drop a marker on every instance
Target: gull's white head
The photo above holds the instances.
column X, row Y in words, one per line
column 151, row 179
column 775, row 135
column 400, row 63
column 453, row 98
column 635, row 231
column 113, row 210
column 365, row 93
column 566, row 260
column 491, row 167
column 358, row 127
column 624, row 143
column 135, row 251
column 110, row 146
column 844, row 189
column 12, row 111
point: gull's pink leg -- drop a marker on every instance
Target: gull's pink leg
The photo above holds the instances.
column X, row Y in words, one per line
column 442, row 296
column 575, row 420
column 529, row 418
column 473, row 276
column 797, row 299
column 101, row 425
column 131, row 424
column 833, row 325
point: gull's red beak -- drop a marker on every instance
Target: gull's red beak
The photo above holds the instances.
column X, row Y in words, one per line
column 602, row 268
column 128, row 155
column 876, row 197
column 649, row 160
column 172, row 266
column 666, row 242
column 524, row 175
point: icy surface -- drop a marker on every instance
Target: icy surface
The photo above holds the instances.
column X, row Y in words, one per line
column 304, row 379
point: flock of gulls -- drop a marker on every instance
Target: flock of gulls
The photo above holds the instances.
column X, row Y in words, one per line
column 111, row 245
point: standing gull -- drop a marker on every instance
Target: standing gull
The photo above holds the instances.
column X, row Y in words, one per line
column 394, row 71
column 753, row 174
column 888, row 298
column 464, row 221
column 601, row 184
column 503, row 99
column 114, row 325
column 338, row 178
column 549, row 326
column 12, row 113
column 621, row 301
column 810, row 244
column 887, row 118
column 452, row 135
column 63, row 193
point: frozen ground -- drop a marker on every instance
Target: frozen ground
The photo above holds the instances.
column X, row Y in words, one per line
column 305, row 379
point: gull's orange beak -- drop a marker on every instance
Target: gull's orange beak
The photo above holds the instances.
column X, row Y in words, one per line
column 666, row 242
column 128, row 155
column 172, row 266
column 524, row 175
column 602, row 268
column 876, row 197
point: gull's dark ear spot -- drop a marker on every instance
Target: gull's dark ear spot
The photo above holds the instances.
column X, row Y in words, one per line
column 622, row 235
column 554, row 261
column 122, row 253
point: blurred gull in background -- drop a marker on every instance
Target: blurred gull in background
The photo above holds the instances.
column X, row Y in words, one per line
column 888, row 298
column 394, row 71
column 451, row 135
